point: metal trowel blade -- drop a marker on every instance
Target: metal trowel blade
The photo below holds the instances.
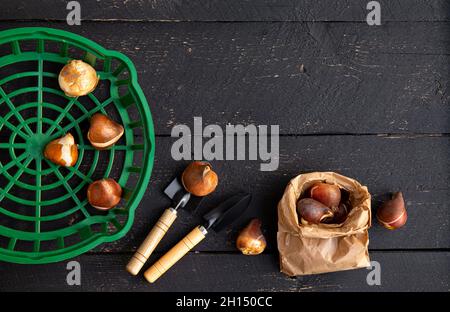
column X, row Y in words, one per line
column 176, row 191
column 173, row 188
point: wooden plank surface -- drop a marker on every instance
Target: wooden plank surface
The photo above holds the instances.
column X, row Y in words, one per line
column 376, row 161
column 368, row 102
column 358, row 79
column 230, row 10
column 417, row 165
column 400, row 271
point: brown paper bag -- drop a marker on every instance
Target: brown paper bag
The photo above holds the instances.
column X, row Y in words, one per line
column 320, row 248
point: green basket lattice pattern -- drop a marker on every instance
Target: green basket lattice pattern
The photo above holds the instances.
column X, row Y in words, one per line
column 44, row 214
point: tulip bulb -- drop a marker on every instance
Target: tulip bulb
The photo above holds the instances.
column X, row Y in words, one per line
column 327, row 194
column 251, row 241
column 199, row 179
column 392, row 214
column 313, row 211
column 104, row 194
column 62, row 151
column 103, row 132
column 77, row 78
column 340, row 214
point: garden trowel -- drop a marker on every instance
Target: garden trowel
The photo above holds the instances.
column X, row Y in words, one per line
column 217, row 219
column 180, row 197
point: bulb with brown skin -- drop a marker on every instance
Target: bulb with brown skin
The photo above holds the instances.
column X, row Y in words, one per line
column 77, row 78
column 62, row 151
column 103, row 132
column 340, row 214
column 104, row 194
column 199, row 179
column 313, row 211
column 327, row 194
column 392, row 213
column 251, row 241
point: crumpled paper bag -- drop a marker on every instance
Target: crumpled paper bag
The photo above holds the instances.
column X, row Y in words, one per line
column 319, row 248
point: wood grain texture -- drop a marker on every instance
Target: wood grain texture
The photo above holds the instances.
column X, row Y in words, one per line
column 400, row 271
column 416, row 165
column 175, row 254
column 357, row 79
column 151, row 241
column 334, row 85
column 230, row 10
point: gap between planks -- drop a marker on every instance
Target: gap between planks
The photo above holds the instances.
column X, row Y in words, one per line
column 388, row 135
column 120, row 20
column 273, row 253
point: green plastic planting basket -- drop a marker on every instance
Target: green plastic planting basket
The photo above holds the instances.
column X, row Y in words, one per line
column 44, row 213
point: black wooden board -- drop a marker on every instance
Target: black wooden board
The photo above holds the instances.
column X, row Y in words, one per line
column 418, row 166
column 368, row 102
column 230, row 10
column 358, row 79
column 400, row 271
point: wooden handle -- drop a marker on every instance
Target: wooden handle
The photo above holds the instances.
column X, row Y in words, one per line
column 176, row 253
column 151, row 241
